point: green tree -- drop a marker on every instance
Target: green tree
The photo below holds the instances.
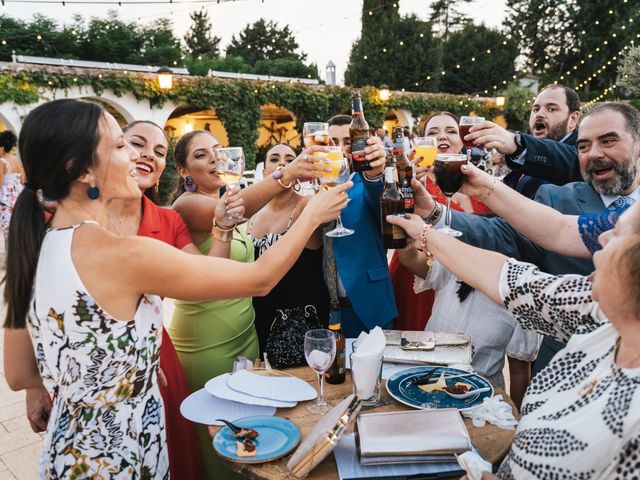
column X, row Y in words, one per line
column 199, row 39
column 564, row 41
column 446, row 17
column 286, row 67
column 399, row 52
column 470, row 69
column 111, row 40
column 629, row 71
column 517, row 107
column 264, row 41
column 160, row 46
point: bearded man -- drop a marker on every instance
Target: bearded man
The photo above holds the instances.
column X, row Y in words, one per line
column 608, row 145
column 548, row 154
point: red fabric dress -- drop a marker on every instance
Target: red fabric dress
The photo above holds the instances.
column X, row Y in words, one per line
column 415, row 309
column 185, row 461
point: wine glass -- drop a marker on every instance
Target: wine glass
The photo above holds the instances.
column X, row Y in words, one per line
column 426, row 148
column 339, row 174
column 231, row 169
column 465, row 124
column 319, row 350
column 449, row 178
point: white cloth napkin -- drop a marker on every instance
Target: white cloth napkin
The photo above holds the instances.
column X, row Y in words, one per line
column 493, row 410
column 366, row 361
column 473, row 464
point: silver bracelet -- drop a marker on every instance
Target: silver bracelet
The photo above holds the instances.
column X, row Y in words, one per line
column 435, row 214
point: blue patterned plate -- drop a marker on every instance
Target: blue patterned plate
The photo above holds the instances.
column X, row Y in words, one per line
column 277, row 437
column 400, row 387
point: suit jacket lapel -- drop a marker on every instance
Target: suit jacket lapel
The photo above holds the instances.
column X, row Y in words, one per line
column 588, row 198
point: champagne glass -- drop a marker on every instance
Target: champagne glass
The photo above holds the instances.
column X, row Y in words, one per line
column 465, row 124
column 426, row 148
column 449, row 178
column 320, row 350
column 231, row 169
column 339, row 174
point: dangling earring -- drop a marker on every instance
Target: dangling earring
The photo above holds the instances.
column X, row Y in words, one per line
column 156, row 187
column 93, row 192
column 189, row 184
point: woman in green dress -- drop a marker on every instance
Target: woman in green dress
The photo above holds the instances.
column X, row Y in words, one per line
column 208, row 336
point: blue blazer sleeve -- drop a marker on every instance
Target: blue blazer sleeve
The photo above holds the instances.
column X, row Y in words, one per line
column 556, row 162
column 496, row 235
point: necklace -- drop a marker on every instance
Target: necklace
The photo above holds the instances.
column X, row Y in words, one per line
column 590, row 385
column 115, row 227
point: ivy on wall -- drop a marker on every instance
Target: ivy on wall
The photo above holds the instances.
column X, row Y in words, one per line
column 237, row 102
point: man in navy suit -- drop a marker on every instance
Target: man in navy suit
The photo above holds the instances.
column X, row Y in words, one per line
column 608, row 144
column 548, row 154
column 364, row 284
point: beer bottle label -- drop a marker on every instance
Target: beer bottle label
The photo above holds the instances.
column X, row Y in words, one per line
column 397, row 233
column 357, row 149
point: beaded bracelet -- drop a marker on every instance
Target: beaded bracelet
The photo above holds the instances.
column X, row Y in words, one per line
column 486, row 195
column 423, row 239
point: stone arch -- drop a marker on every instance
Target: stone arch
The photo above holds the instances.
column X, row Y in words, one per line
column 121, row 115
column 277, row 125
column 9, row 120
column 186, row 118
column 394, row 118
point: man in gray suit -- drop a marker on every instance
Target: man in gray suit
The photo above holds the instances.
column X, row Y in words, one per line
column 608, row 150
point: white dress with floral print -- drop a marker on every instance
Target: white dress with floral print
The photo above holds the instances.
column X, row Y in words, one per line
column 107, row 419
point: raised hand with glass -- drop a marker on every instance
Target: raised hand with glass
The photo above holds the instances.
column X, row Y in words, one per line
column 426, row 148
column 231, row 169
column 337, row 172
column 320, row 350
column 465, row 125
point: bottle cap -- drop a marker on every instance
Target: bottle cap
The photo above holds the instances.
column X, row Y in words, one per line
column 334, row 326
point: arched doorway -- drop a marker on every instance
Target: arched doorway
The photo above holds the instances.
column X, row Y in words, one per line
column 277, row 125
column 121, row 117
column 186, row 118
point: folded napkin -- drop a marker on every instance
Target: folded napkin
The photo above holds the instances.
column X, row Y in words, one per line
column 493, row 410
column 474, row 465
column 366, row 361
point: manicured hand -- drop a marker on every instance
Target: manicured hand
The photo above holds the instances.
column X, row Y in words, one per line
column 376, row 156
column 230, row 205
column 476, row 182
column 305, row 166
column 327, row 204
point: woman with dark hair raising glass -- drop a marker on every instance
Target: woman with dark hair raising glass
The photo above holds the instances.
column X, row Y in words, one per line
column 89, row 298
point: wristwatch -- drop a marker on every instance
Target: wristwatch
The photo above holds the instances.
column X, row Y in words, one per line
column 520, row 146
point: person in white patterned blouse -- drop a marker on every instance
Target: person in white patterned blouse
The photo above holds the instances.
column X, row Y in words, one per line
column 581, row 414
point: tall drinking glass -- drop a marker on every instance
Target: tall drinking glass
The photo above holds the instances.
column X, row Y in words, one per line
column 339, row 174
column 449, row 178
column 316, row 133
column 231, row 169
column 426, row 148
column 320, row 350
column 465, row 124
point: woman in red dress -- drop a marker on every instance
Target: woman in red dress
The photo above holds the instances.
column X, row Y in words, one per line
column 414, row 309
column 147, row 219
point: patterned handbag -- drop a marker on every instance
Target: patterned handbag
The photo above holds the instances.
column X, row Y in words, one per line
column 285, row 343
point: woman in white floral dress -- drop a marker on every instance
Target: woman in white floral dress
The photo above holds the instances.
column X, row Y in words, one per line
column 89, row 297
column 11, row 179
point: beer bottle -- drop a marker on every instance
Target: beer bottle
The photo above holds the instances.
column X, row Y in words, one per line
column 391, row 203
column 359, row 133
column 336, row 373
column 405, row 169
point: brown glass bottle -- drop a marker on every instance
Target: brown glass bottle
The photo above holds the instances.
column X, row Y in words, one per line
column 337, row 372
column 391, row 203
column 359, row 133
column 405, row 170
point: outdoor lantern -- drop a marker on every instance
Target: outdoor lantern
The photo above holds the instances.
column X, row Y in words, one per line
column 500, row 101
column 384, row 93
column 165, row 78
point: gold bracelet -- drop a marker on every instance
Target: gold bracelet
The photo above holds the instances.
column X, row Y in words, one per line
column 423, row 239
column 486, row 195
column 221, row 234
column 280, row 182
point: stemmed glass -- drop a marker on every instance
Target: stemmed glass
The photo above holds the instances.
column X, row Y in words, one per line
column 339, row 174
column 449, row 178
column 319, row 350
column 313, row 133
column 231, row 169
column 465, row 124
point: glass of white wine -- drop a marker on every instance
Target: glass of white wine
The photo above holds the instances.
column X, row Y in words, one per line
column 320, row 350
column 231, row 169
column 338, row 175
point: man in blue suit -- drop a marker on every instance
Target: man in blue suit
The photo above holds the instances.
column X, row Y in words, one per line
column 548, row 154
column 364, row 285
column 609, row 149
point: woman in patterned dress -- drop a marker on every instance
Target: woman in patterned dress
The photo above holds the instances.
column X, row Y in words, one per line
column 11, row 179
column 581, row 414
column 72, row 283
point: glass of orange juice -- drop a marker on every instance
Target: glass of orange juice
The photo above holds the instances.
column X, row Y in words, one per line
column 426, row 148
